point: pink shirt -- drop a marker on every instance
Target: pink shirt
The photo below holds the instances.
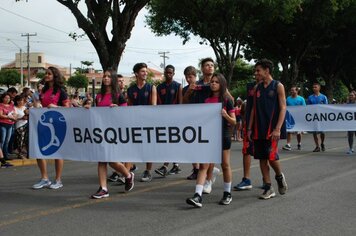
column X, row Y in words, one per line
column 49, row 98
column 106, row 101
column 6, row 110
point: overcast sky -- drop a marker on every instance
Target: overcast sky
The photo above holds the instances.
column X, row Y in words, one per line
column 52, row 22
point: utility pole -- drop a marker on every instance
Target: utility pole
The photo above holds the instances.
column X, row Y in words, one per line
column 20, row 60
column 163, row 54
column 28, row 55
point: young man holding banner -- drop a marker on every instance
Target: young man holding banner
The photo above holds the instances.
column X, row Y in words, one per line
column 318, row 98
column 169, row 92
column 142, row 93
column 266, row 126
column 294, row 100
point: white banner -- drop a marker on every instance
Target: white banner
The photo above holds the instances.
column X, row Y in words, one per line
column 321, row 118
column 172, row 133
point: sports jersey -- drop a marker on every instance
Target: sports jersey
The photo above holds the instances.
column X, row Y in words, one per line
column 201, row 92
column 297, row 101
column 266, row 112
column 106, row 100
column 250, row 87
column 140, row 96
column 229, row 108
column 58, row 98
column 168, row 93
column 321, row 99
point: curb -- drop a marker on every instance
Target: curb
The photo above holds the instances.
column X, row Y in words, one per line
column 26, row 162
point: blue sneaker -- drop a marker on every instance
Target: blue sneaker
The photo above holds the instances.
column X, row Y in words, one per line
column 245, row 184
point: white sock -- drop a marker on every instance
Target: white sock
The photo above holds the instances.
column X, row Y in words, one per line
column 227, row 187
column 129, row 176
column 105, row 189
column 199, row 189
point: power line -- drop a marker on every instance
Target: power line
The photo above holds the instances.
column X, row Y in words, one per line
column 34, row 21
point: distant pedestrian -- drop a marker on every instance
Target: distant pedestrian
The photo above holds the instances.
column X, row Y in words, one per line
column 351, row 134
column 318, row 98
column 294, row 100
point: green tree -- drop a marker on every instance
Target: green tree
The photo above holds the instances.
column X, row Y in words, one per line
column 78, row 81
column 10, row 77
column 94, row 21
column 221, row 24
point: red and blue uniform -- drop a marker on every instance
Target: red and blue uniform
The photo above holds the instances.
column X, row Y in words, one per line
column 167, row 93
column 228, row 106
column 266, row 114
column 140, row 96
column 247, row 147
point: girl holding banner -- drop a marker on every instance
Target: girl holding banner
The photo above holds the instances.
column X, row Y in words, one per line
column 109, row 96
column 219, row 94
column 52, row 95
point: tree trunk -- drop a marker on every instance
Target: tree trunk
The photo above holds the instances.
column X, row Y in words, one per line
column 329, row 88
column 95, row 22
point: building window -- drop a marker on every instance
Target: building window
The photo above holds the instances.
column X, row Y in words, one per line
column 39, row 59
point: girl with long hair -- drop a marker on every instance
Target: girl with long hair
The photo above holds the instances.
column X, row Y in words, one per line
column 218, row 94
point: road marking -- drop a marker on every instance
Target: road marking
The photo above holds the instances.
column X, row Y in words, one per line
column 115, row 197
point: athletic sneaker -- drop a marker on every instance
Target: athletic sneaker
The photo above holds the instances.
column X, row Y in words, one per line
column 299, row 147
column 245, row 184
column 43, row 183
column 101, row 193
column 162, row 171
column 193, row 175
column 121, row 180
column 133, row 168
column 350, row 151
column 287, row 147
column 129, row 182
column 322, row 147
column 268, row 193
column 56, row 185
column 6, row 165
column 114, row 177
column 226, row 199
column 146, row 176
column 282, row 184
column 207, row 186
column 216, row 172
column 317, row 149
column 175, row 170
column 195, row 201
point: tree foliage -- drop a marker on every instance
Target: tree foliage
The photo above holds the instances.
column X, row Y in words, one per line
column 120, row 14
column 78, row 81
column 10, row 77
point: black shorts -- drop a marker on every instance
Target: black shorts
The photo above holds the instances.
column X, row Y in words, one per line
column 266, row 149
column 226, row 142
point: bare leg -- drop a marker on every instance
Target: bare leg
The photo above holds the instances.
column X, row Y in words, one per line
column 226, row 167
column 42, row 164
column 315, row 136
column 247, row 164
column 265, row 171
column 59, row 168
column 102, row 173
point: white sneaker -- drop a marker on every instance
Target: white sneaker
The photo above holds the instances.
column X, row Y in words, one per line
column 43, row 183
column 216, row 172
column 56, row 185
column 207, row 187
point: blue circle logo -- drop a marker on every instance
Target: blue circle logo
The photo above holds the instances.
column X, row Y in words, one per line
column 51, row 129
column 290, row 122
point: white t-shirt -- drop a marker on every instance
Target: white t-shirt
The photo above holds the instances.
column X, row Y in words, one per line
column 20, row 113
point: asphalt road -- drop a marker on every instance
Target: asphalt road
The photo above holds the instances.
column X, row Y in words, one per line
column 321, row 200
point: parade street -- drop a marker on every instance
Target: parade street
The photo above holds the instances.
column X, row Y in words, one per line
column 321, row 199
